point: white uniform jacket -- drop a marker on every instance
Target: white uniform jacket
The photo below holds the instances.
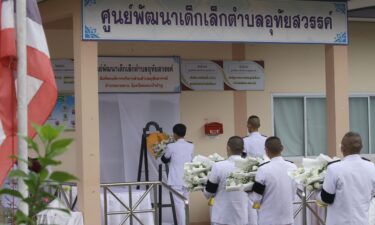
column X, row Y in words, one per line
column 348, row 188
column 230, row 207
column 275, row 191
column 177, row 154
column 254, row 144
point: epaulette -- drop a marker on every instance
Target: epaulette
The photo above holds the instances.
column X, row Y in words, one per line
column 289, row 161
column 333, row 162
column 264, row 163
column 190, row 142
column 366, row 159
column 264, row 135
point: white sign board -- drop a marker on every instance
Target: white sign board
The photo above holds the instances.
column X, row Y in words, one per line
column 243, row 75
column 126, row 74
column 139, row 74
column 266, row 21
column 202, row 75
column 64, row 74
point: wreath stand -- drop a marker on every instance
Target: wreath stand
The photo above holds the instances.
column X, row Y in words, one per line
column 305, row 200
column 143, row 164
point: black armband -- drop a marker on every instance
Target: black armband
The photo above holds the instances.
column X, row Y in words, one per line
column 327, row 197
column 259, row 188
column 165, row 159
column 211, row 187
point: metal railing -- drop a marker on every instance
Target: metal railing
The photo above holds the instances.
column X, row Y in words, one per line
column 65, row 193
column 304, row 206
column 131, row 210
column 153, row 187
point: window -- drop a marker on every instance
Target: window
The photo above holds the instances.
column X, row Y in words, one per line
column 300, row 122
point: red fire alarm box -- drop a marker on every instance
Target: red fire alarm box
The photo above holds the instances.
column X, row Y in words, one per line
column 213, row 128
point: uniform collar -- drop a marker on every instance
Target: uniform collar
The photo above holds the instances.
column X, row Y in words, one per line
column 352, row 157
column 254, row 133
column 234, row 157
column 180, row 139
column 278, row 158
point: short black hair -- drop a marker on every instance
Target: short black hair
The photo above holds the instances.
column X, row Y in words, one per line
column 352, row 142
column 274, row 145
column 254, row 121
column 235, row 143
column 179, row 129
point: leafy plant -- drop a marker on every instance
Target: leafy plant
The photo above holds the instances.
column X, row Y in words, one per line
column 39, row 182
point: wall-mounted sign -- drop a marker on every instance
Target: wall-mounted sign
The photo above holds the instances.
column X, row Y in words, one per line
column 216, row 20
column 206, row 75
column 139, row 74
column 201, row 75
column 64, row 112
column 243, row 76
column 64, row 75
column 125, row 74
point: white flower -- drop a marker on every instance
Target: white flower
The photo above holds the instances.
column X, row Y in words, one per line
column 317, row 186
column 309, row 187
column 216, row 157
column 195, row 173
column 312, row 172
column 243, row 177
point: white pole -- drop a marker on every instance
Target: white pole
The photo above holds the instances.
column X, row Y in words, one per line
column 22, row 95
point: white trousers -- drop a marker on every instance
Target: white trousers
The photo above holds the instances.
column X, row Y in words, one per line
column 253, row 214
column 371, row 212
column 179, row 204
column 223, row 224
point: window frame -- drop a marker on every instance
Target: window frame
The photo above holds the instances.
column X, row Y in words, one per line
column 306, row 95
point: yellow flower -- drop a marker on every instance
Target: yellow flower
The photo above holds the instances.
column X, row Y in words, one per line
column 211, row 201
column 256, row 205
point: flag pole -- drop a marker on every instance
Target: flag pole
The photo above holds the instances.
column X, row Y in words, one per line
column 22, row 96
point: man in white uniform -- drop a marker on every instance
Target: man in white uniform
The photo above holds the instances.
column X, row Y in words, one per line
column 349, row 185
column 254, row 143
column 254, row 147
column 177, row 154
column 230, row 207
column 273, row 190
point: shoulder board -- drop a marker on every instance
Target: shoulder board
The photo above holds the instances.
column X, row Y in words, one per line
column 289, row 161
column 366, row 159
column 190, row 142
column 333, row 162
column 264, row 135
column 263, row 164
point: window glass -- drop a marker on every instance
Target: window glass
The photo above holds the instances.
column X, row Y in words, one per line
column 289, row 124
column 359, row 120
column 316, row 124
column 372, row 125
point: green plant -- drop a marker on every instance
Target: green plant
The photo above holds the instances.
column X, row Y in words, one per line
column 39, row 183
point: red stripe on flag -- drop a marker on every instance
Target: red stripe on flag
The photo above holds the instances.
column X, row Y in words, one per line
column 42, row 104
column 7, row 149
column 7, row 46
column 8, row 118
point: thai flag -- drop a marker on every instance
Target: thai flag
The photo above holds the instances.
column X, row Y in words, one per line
column 41, row 87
